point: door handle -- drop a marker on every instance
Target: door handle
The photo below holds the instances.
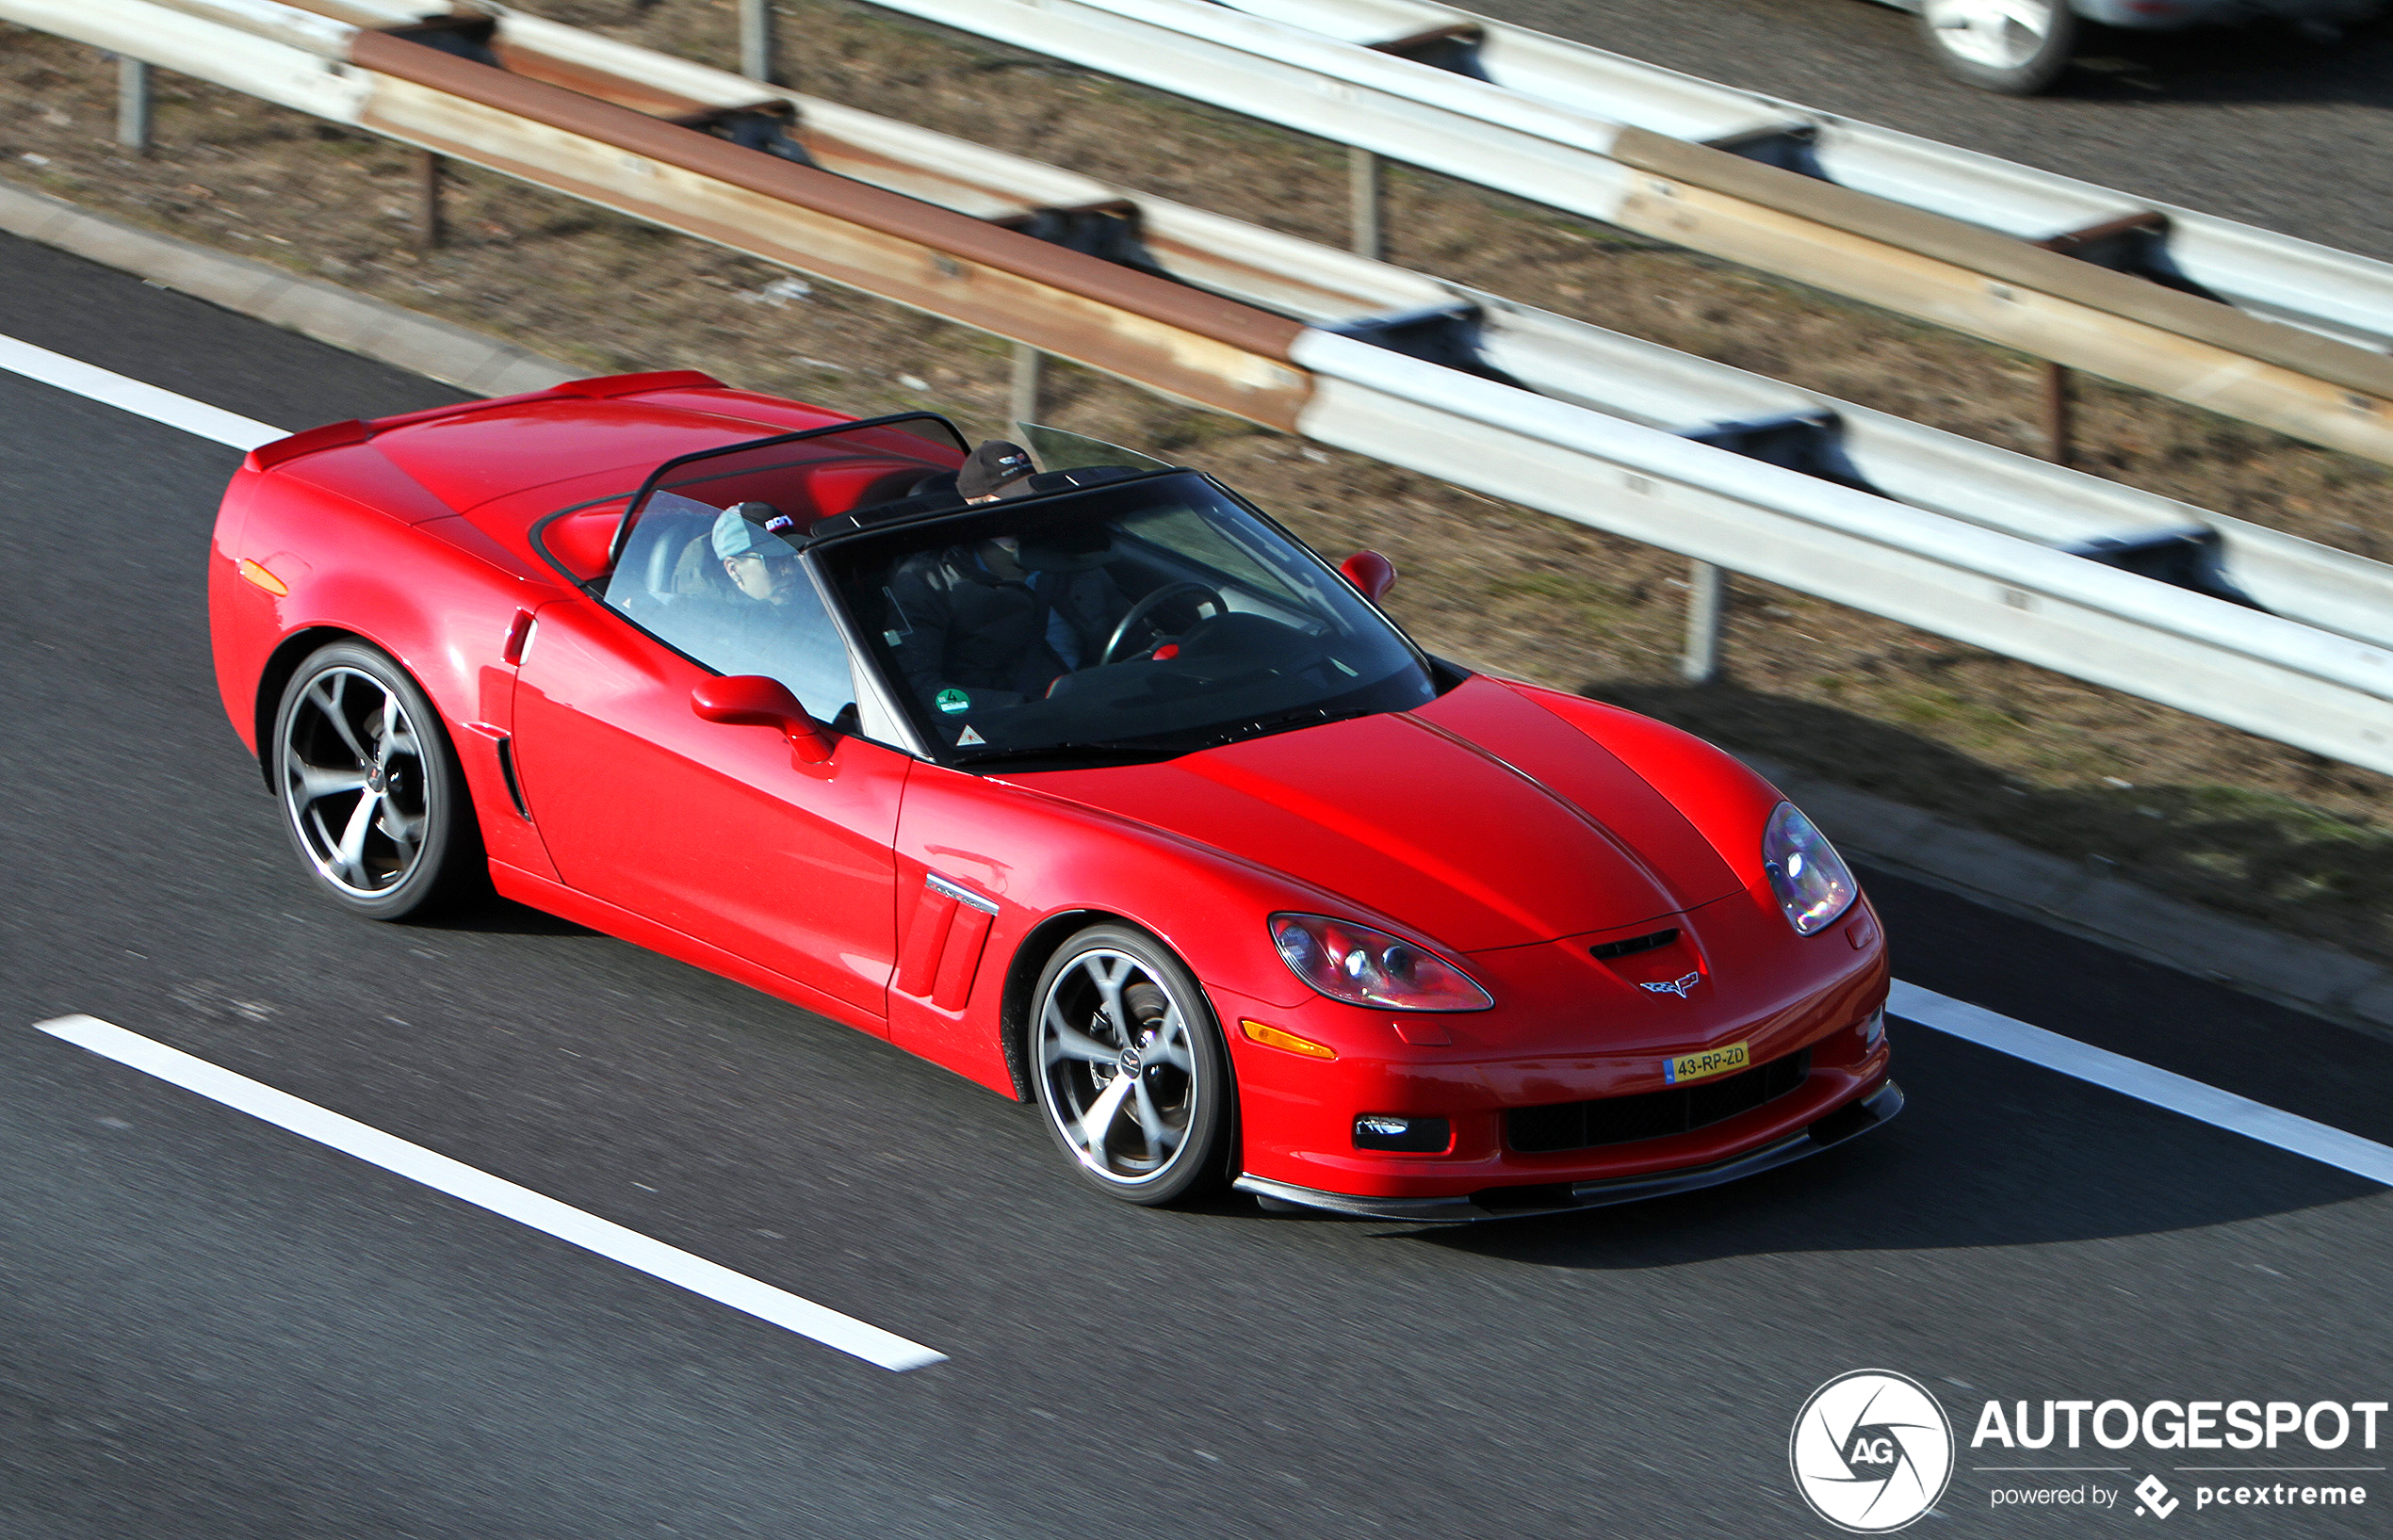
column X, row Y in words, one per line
column 518, row 634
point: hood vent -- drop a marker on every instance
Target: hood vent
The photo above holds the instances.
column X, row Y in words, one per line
column 1606, row 950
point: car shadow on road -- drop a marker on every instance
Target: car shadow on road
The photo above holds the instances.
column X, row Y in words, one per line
column 489, row 915
column 1990, row 1152
column 2265, row 62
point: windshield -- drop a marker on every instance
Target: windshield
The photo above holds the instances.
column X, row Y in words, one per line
column 804, row 478
column 1140, row 618
column 708, row 564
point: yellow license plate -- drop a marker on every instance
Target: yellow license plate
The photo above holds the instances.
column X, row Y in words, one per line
column 1711, row 1062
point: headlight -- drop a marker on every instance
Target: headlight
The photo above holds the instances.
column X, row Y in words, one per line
column 1810, row 878
column 1363, row 966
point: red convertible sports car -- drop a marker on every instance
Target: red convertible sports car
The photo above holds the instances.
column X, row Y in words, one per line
column 1071, row 771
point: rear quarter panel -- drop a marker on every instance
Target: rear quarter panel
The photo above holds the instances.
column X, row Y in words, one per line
column 434, row 592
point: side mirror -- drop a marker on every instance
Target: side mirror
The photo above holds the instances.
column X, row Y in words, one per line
column 1372, row 574
column 751, row 700
column 584, row 542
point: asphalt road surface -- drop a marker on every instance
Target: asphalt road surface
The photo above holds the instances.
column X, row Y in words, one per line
column 212, row 1329
column 2253, row 124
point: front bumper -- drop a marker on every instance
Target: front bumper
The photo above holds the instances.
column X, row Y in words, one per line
column 1854, row 1117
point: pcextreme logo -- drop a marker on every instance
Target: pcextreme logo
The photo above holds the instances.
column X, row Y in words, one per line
column 1871, row 1451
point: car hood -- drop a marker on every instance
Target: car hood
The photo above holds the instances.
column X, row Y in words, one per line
column 1521, row 829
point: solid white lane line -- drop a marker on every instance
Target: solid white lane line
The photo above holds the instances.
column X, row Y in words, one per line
column 98, row 384
column 2145, row 1082
column 520, row 1204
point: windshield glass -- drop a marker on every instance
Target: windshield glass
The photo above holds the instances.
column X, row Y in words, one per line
column 1140, row 618
column 708, row 559
column 803, row 478
column 1060, row 450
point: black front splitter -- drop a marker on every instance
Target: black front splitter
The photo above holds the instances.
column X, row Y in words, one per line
column 1855, row 1118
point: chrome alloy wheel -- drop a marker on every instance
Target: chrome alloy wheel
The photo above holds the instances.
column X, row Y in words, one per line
column 357, row 782
column 2003, row 35
column 1123, row 1075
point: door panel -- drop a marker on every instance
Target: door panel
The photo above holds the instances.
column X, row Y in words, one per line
column 707, row 828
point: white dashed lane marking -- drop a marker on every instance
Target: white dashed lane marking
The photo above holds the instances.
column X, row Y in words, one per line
column 480, row 1188
column 2145, row 1082
column 97, row 385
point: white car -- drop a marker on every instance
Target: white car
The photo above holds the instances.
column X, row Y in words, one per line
column 2021, row 47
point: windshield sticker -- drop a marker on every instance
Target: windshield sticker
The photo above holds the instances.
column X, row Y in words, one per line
column 969, row 739
column 952, row 700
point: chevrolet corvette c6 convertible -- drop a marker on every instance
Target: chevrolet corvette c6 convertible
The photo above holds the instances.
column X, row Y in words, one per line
column 1104, row 792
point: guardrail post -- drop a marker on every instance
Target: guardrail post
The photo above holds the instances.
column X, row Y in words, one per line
column 133, row 103
column 2059, row 414
column 1363, row 184
column 755, row 38
column 1029, row 382
column 428, row 231
column 1706, row 603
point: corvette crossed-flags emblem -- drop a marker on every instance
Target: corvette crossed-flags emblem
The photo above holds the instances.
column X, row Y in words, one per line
column 1681, row 987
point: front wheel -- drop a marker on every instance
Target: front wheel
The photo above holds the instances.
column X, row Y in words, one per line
column 2017, row 47
column 1131, row 1068
column 371, row 794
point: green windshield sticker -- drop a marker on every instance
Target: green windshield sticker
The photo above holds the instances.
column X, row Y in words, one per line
column 952, row 700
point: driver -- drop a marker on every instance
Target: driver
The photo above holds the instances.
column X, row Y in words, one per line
column 997, row 621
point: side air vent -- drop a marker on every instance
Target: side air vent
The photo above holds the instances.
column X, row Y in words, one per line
column 507, row 772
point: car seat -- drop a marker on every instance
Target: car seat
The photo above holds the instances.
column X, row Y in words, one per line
column 697, row 572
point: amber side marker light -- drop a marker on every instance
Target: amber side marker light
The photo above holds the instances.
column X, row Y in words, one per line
column 1272, row 1037
column 257, row 577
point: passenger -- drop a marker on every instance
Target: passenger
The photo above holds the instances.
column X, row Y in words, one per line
column 998, row 621
column 773, row 624
column 760, row 564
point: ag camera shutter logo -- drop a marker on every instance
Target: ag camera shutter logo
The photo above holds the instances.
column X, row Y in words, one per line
column 1871, row 1451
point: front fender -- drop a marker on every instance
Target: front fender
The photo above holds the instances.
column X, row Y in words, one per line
column 1036, row 860
column 1727, row 801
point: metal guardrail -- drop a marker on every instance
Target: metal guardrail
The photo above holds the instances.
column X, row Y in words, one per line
column 2299, row 282
column 1198, row 345
column 2257, row 326
column 1926, row 528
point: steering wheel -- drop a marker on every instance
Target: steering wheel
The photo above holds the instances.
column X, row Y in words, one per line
column 1147, row 605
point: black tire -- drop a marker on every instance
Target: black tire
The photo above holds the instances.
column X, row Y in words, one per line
column 352, row 712
column 1164, row 1139
column 2024, row 57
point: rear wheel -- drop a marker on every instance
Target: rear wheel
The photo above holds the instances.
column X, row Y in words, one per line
column 2018, row 47
column 1131, row 1068
column 372, row 798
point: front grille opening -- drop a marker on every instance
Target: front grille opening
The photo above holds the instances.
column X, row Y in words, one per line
column 1655, row 1115
column 1604, row 951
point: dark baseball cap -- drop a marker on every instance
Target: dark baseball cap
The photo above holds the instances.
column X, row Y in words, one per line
column 995, row 469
